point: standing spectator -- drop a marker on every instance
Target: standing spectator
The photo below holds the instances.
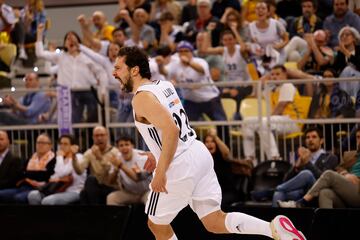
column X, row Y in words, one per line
column 235, row 65
column 68, row 183
column 205, row 21
column 133, row 179
column 268, row 36
column 341, row 17
column 101, row 180
column 312, row 162
column 27, row 109
column 76, row 71
column 11, row 166
column 38, row 171
column 197, row 100
column 308, row 22
column 104, row 29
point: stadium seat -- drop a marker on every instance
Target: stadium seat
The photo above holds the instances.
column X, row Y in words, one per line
column 229, row 106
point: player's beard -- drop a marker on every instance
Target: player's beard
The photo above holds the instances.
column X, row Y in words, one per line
column 128, row 86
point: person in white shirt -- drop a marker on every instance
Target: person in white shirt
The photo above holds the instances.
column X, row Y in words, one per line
column 72, row 183
column 235, row 64
column 76, row 71
column 285, row 101
column 197, row 100
column 133, row 179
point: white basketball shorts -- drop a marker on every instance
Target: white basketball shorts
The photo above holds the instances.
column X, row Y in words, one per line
column 193, row 181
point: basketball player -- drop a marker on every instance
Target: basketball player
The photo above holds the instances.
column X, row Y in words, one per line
column 184, row 171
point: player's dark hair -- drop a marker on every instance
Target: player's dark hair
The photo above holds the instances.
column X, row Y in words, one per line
column 134, row 56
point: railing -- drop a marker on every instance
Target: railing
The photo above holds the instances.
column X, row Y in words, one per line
column 23, row 137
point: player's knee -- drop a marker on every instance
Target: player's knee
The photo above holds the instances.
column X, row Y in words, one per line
column 214, row 222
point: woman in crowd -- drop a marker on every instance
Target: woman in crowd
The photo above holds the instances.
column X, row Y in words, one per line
column 65, row 184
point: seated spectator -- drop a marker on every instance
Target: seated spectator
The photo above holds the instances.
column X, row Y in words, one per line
column 311, row 163
column 340, row 18
column 33, row 14
column 320, row 103
column 347, row 61
column 318, row 56
column 7, row 57
column 100, row 181
column 87, row 74
column 158, row 7
column 235, row 65
column 103, row 28
column 284, row 99
column 222, row 165
column 336, row 189
column 219, row 7
column 133, row 179
column 10, row 24
column 38, row 171
column 11, row 166
column 308, row 22
column 205, row 21
column 189, row 12
column 64, row 185
column 130, row 6
column 27, row 109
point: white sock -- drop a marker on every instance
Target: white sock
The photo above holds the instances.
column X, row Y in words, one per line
column 241, row 223
column 173, row 237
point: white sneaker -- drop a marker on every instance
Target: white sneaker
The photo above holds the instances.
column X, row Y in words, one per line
column 287, row 204
column 283, row 229
column 22, row 54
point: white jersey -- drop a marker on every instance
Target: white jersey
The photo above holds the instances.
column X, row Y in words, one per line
column 235, row 65
column 267, row 36
column 165, row 92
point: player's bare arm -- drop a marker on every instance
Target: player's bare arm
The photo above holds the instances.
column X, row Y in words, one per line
column 148, row 108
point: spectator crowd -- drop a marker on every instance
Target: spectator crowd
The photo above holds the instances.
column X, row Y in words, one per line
column 189, row 42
